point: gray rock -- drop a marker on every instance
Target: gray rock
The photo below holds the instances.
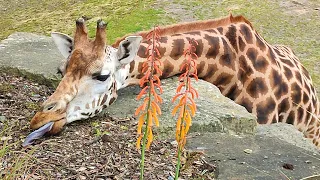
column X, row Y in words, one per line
column 3, row 118
column 215, row 113
column 31, row 55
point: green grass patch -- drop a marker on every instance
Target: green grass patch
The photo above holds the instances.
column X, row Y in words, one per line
column 43, row 17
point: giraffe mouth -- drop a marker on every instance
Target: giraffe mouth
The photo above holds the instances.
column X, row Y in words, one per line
column 51, row 127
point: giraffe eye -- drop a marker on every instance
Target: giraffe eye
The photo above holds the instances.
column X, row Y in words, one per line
column 100, row 77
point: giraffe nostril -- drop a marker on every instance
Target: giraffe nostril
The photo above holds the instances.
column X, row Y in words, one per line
column 49, row 107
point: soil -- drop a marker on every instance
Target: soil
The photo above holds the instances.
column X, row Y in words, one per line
column 98, row 148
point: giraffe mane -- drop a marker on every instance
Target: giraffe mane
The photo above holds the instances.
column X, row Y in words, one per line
column 190, row 26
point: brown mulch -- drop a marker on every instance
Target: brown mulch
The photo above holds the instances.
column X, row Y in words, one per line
column 97, row 148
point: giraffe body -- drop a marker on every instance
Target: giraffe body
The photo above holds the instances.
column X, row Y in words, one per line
column 269, row 81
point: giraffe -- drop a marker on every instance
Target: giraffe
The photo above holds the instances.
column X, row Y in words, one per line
column 268, row 80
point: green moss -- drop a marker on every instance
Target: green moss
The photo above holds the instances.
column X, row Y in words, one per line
column 6, row 88
column 32, row 106
column 55, row 15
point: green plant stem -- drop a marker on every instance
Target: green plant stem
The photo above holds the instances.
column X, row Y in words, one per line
column 178, row 164
column 145, row 132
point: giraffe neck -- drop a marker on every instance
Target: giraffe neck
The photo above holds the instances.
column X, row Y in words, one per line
column 269, row 81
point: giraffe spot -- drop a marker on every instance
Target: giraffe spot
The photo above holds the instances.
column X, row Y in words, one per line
column 279, row 86
column 177, row 49
column 131, row 66
column 212, row 68
column 163, row 40
column 167, row 69
column 252, row 55
column 257, row 87
column 174, row 35
column 228, row 58
column 139, row 76
column 112, row 100
column 76, row 108
column 110, row 87
column 244, row 70
column 211, row 31
column 86, row 114
column 194, row 33
column 298, row 77
column 214, row 45
column 284, row 106
column 260, row 43
column 233, row 92
column 314, row 101
column 305, row 98
column 296, row 93
column 305, row 72
column 264, row 109
column 287, row 62
column 162, row 50
column 300, row 114
column 199, row 48
column 287, row 73
column 93, row 103
column 220, row 29
column 245, row 102
column 242, row 45
column 222, row 80
column 200, row 67
column 246, row 32
column 140, row 67
column 271, row 55
column 232, row 36
column 291, row 117
column 104, row 99
column 308, row 116
column 261, row 64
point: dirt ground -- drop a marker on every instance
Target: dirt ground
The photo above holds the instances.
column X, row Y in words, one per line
column 99, row 148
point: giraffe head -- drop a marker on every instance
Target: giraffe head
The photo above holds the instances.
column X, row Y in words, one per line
column 91, row 73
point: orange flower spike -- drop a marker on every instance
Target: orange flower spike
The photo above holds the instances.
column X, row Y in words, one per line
column 179, row 87
column 138, row 110
column 156, row 106
column 138, row 144
column 157, row 79
column 140, row 122
column 159, row 87
column 193, row 103
column 142, row 92
column 149, row 118
column 176, row 96
column 175, row 109
column 150, row 137
column 193, row 112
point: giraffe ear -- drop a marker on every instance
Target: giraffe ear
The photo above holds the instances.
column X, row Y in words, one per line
column 63, row 42
column 128, row 49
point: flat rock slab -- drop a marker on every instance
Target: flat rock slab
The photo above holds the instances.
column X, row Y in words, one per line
column 215, row 113
column 31, row 55
column 261, row 156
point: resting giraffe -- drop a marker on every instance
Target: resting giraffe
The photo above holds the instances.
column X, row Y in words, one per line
column 269, row 81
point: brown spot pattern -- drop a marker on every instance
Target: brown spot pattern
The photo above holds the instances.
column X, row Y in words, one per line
column 214, row 46
column 177, row 49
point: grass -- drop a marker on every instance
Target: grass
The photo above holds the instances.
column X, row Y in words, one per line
column 43, row 17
